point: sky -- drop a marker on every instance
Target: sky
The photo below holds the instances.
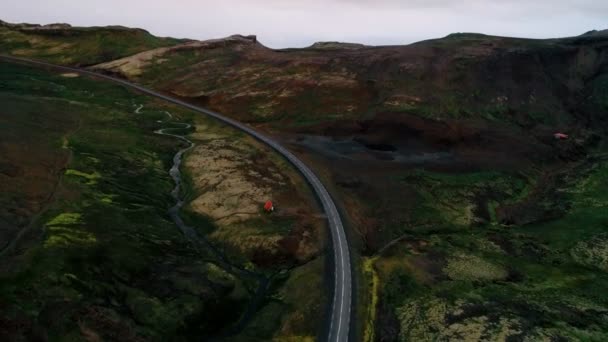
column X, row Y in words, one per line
column 289, row 23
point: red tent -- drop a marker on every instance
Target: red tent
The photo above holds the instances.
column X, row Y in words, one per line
column 268, row 206
column 560, row 136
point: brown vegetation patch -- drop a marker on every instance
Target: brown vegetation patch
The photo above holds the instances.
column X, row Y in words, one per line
column 233, row 177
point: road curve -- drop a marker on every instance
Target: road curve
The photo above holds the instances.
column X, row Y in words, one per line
column 339, row 324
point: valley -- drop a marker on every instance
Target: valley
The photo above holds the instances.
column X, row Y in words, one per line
column 467, row 219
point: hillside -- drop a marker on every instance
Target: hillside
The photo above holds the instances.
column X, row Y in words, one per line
column 470, row 219
column 88, row 249
column 81, row 46
column 523, row 81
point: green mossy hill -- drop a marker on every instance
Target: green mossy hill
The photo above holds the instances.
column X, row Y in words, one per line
column 79, row 46
column 101, row 260
column 88, row 249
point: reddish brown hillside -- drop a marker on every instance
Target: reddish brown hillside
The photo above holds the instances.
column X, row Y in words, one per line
column 522, row 81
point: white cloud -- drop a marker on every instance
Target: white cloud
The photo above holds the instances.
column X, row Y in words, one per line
column 281, row 23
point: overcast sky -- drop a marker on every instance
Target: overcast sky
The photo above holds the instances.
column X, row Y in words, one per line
column 286, row 23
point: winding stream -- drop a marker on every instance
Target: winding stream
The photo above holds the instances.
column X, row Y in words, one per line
column 175, row 173
column 191, row 234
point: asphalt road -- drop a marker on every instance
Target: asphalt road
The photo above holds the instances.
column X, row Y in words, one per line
column 342, row 297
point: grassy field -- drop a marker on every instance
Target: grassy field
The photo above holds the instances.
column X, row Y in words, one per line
column 99, row 257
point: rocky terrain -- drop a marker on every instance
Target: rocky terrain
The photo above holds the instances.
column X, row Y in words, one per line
column 471, row 220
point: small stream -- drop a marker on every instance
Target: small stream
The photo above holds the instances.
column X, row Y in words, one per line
column 138, row 110
column 191, row 234
column 175, row 174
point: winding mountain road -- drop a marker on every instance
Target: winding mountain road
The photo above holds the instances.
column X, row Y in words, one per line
column 339, row 324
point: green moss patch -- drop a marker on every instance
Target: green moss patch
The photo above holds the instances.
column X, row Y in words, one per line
column 593, row 252
column 470, row 267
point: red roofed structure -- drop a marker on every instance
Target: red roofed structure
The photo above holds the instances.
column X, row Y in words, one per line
column 560, row 136
column 268, row 207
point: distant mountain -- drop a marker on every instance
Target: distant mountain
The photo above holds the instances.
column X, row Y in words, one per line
column 595, row 33
column 336, row 45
